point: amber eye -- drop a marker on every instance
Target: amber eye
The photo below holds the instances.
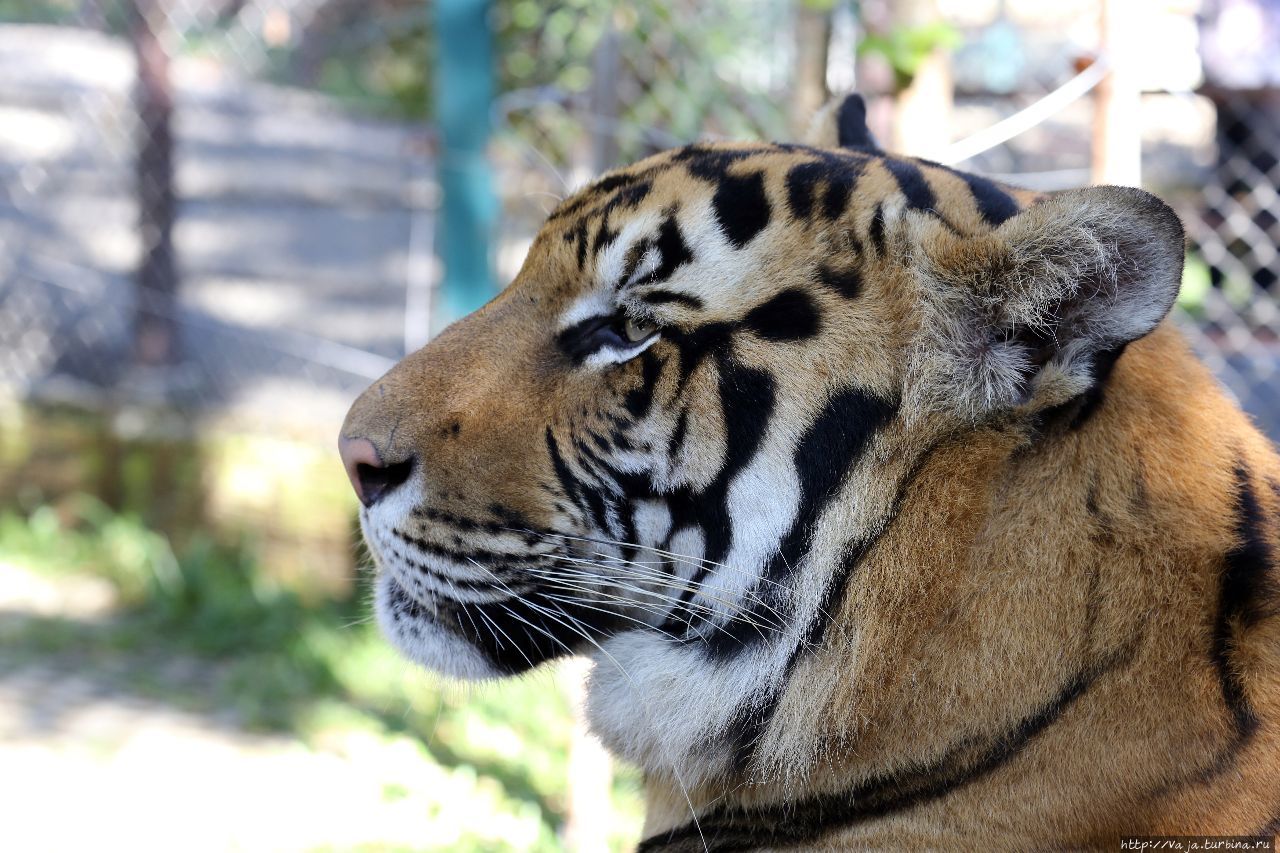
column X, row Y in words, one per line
column 637, row 330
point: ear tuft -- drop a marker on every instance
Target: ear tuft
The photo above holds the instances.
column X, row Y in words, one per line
column 842, row 123
column 1026, row 310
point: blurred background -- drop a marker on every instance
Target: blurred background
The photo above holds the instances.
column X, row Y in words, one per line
column 221, row 219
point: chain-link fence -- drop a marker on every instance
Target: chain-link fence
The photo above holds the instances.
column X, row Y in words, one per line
column 229, row 204
column 218, row 217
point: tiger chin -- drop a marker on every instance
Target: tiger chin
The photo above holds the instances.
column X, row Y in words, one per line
column 890, row 507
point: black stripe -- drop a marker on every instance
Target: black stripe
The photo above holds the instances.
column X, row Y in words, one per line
column 696, row 345
column 675, row 252
column 827, row 452
column 578, row 236
column 568, row 483
column 741, row 207
column 604, row 236
column 1270, row 829
column 712, row 164
column 847, row 282
column 876, row 231
column 603, row 187
column 912, row 183
column 1246, row 595
column 788, row 316
column 678, row 435
column 668, row 297
column 824, row 456
column 639, row 399
column 840, row 182
column 747, row 402
column 801, row 181
column 807, row 820
column 994, row 204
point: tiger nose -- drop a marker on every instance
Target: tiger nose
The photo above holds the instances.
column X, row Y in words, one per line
column 370, row 476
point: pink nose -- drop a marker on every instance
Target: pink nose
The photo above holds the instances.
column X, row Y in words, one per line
column 369, row 476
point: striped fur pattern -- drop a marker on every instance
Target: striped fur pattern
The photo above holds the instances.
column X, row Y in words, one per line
column 890, row 508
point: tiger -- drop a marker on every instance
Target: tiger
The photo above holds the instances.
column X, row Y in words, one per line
column 890, row 507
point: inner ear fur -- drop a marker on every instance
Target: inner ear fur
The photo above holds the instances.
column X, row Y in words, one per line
column 1028, row 310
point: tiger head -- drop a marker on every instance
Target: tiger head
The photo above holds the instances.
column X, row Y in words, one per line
column 700, row 434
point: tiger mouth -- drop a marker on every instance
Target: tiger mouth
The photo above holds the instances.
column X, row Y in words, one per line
column 422, row 637
column 504, row 618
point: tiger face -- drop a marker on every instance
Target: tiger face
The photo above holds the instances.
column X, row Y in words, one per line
column 671, row 440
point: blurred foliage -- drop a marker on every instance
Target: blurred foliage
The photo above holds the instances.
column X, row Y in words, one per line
column 684, row 66
column 318, row 670
column 37, row 11
column 905, row 48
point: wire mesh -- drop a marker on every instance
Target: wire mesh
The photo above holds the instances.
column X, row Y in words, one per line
column 278, row 173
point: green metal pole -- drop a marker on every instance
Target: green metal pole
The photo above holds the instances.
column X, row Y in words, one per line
column 464, row 80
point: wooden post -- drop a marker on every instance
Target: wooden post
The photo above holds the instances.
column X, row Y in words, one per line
column 155, row 334
column 813, row 41
column 606, row 64
column 1117, row 124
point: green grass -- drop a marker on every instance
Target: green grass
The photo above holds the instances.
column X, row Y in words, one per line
column 279, row 662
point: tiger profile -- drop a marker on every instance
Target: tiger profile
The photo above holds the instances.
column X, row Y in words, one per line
column 890, row 508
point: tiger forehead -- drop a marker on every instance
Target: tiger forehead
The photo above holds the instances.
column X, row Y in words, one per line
column 750, row 184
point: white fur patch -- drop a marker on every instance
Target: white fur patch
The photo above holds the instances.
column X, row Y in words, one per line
column 608, row 355
column 426, row 643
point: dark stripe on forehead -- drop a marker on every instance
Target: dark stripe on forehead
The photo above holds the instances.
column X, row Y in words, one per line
column 788, row 316
column 741, row 207
column 840, row 182
column 711, row 164
column 675, row 252
column 578, row 237
column 912, row 183
column 847, row 283
column 993, row 203
column 670, row 297
column 877, row 230
column 801, row 181
column 630, row 197
column 594, row 194
column 604, row 235
column 840, row 175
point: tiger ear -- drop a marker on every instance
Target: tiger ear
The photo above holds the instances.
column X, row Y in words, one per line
column 1037, row 308
column 842, row 123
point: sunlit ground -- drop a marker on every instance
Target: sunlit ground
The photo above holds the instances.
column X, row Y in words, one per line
column 180, row 691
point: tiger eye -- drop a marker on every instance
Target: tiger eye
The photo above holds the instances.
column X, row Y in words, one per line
column 637, row 330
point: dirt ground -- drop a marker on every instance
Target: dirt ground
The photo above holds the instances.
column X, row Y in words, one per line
column 88, row 766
